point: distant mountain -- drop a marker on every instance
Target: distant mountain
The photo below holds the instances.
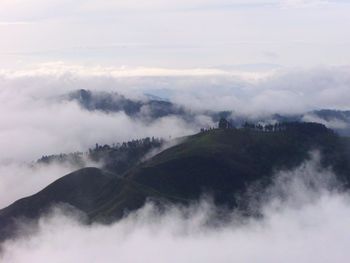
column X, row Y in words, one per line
column 154, row 97
column 154, row 107
column 329, row 115
column 221, row 162
column 334, row 119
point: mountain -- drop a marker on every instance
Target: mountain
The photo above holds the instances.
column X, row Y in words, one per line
column 154, row 107
column 334, row 119
column 221, row 162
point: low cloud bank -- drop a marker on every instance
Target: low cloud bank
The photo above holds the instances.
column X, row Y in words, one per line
column 305, row 218
column 29, row 132
column 34, row 122
column 333, row 123
column 285, row 91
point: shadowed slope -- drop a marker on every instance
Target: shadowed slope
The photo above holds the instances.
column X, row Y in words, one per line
column 224, row 162
column 79, row 189
column 220, row 162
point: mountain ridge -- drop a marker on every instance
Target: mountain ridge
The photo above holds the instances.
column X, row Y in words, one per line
column 222, row 162
column 152, row 108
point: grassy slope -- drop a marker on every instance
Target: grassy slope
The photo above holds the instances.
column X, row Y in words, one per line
column 221, row 162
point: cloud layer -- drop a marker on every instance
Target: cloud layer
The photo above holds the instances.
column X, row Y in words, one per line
column 174, row 33
column 19, row 180
column 296, row 221
column 35, row 122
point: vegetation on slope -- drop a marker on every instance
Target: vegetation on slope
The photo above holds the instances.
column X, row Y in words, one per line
column 221, row 162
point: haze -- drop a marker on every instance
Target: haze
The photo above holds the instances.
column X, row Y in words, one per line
column 251, row 59
column 175, row 34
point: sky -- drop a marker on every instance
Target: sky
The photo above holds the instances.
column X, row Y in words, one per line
column 175, row 34
column 252, row 57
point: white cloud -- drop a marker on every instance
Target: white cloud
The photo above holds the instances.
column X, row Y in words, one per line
column 285, row 91
column 60, row 68
column 303, row 3
column 17, row 23
column 35, row 123
column 196, row 33
column 33, row 130
column 19, row 180
column 332, row 123
column 296, row 221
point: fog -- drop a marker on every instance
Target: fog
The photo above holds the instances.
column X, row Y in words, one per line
column 304, row 218
column 35, row 121
column 19, row 179
column 246, row 90
column 332, row 123
column 244, row 57
column 67, row 128
column 283, row 91
column 32, row 127
column 206, row 32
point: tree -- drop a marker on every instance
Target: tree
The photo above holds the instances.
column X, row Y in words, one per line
column 224, row 124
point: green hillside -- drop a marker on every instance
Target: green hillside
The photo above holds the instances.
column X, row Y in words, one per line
column 221, row 162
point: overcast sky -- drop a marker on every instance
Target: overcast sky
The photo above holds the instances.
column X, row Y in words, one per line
column 252, row 57
column 182, row 33
column 189, row 51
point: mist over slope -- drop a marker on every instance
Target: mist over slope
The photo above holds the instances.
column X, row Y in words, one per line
column 114, row 102
column 174, row 131
column 19, row 180
column 152, row 108
column 68, row 109
column 221, row 162
column 304, row 210
column 36, row 121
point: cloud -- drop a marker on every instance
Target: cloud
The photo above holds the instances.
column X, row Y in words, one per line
column 17, row 7
column 34, row 122
column 303, row 212
column 196, row 33
column 60, row 68
column 285, row 91
column 30, row 132
column 304, row 3
column 19, row 180
column 16, row 23
column 331, row 123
